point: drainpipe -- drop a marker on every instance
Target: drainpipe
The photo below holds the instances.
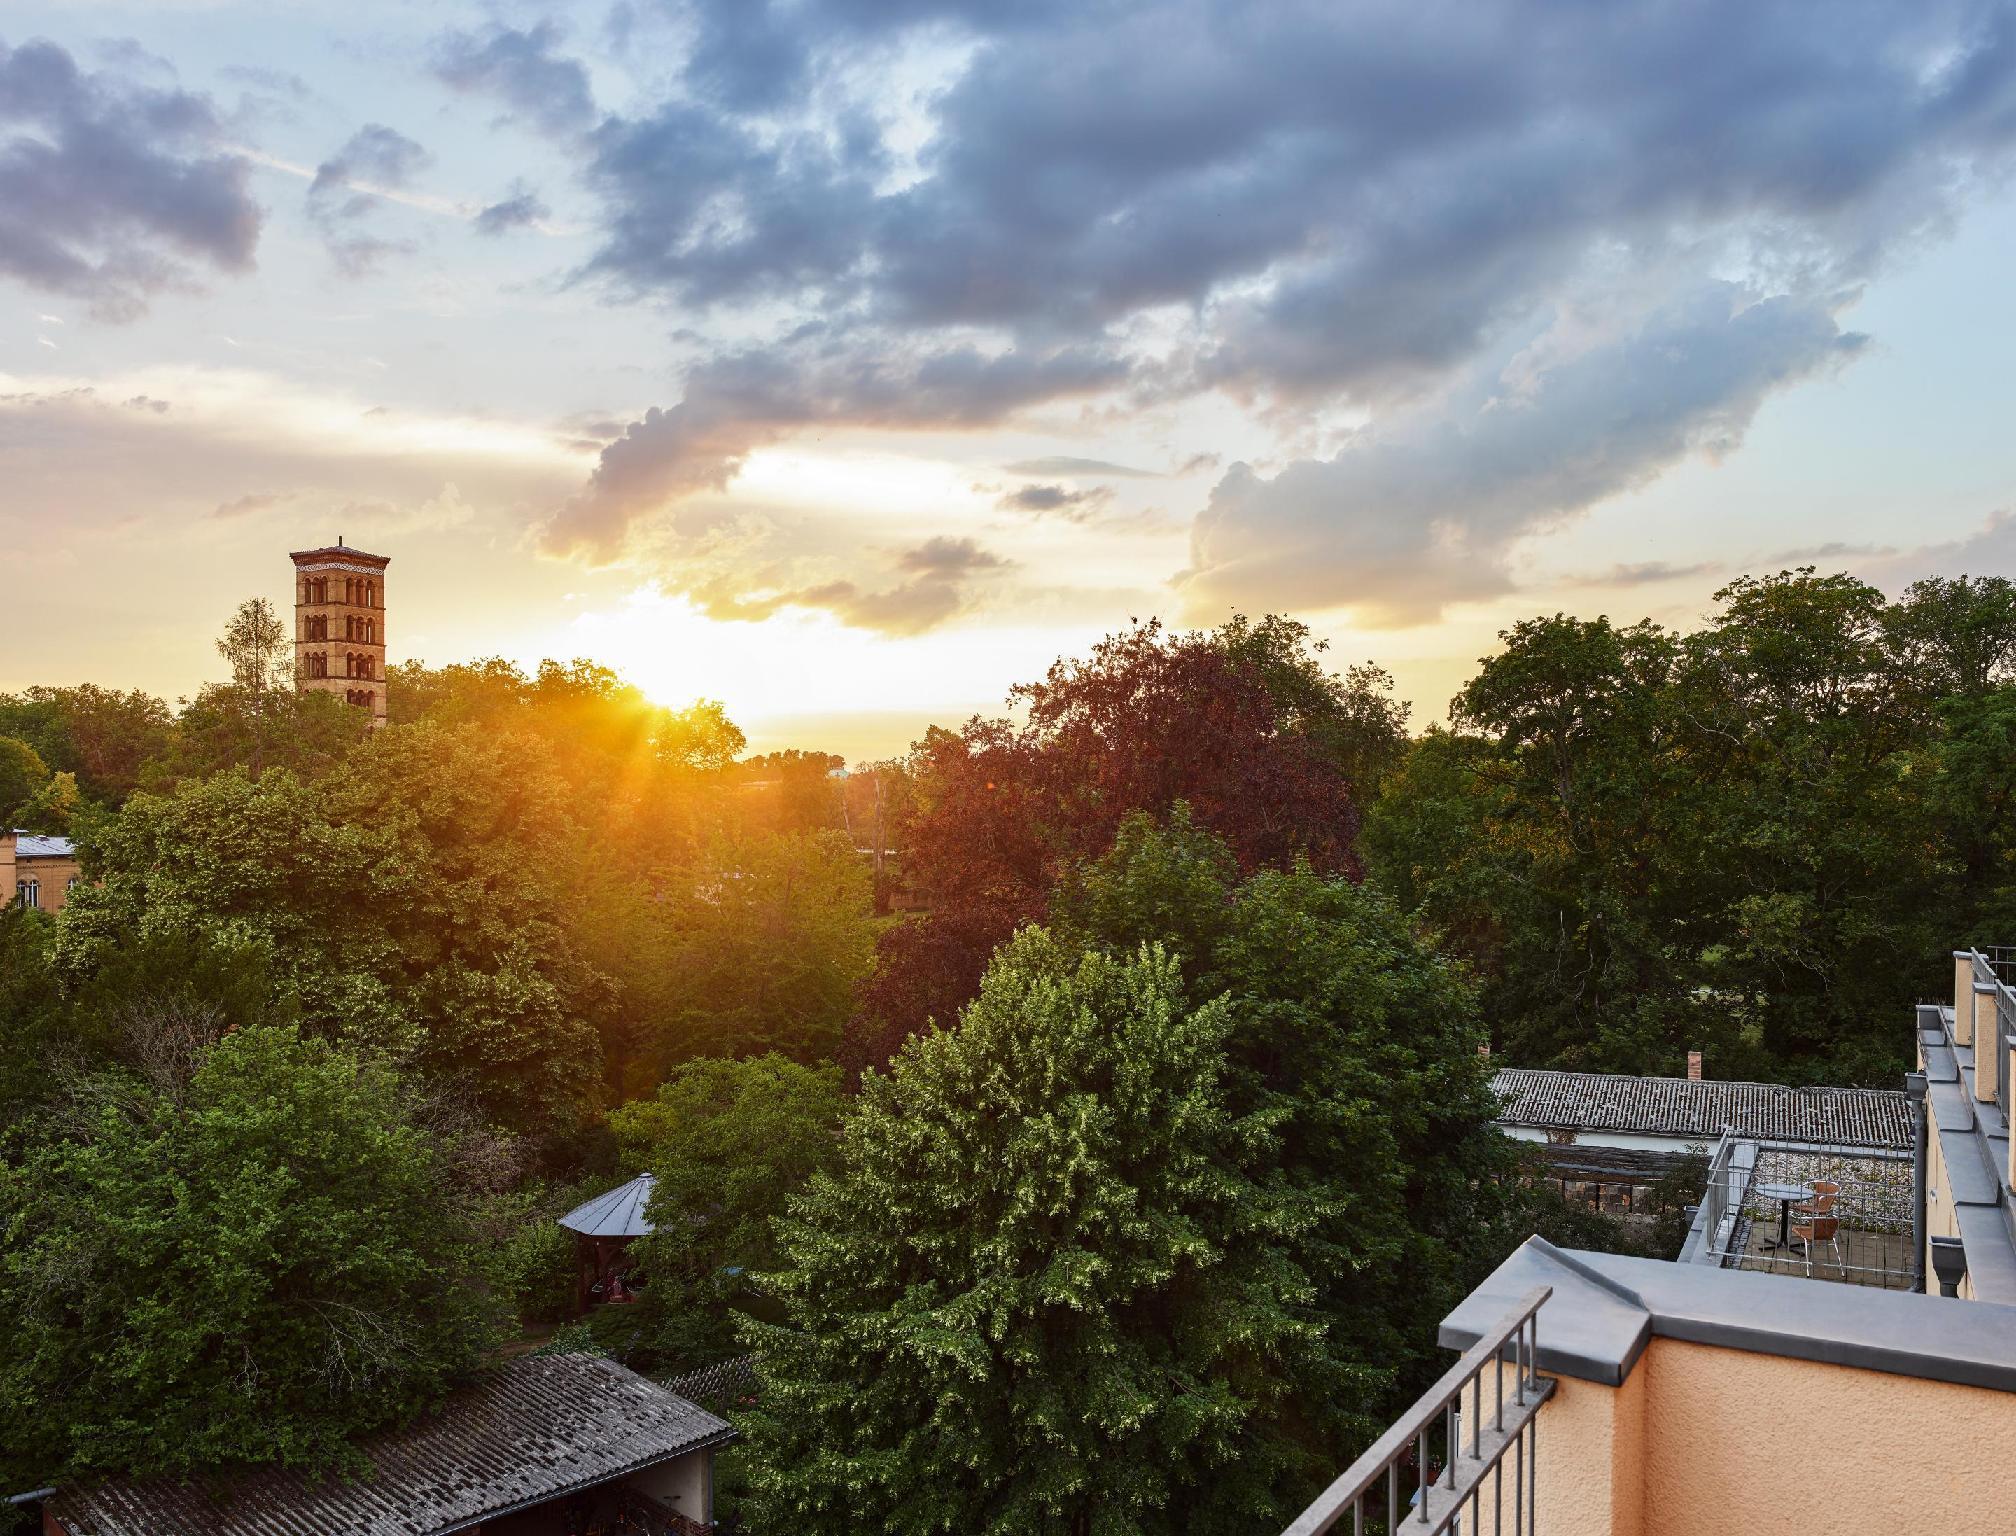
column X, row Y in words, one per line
column 1914, row 1084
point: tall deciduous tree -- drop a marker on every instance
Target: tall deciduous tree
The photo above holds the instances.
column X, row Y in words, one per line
column 249, row 1254
column 418, row 902
column 1043, row 1293
column 104, row 737
column 1244, row 724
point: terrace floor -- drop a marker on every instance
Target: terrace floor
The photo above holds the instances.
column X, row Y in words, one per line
column 1880, row 1259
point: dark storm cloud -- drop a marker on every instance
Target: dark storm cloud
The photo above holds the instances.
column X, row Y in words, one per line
column 523, row 70
column 1303, row 206
column 112, row 191
column 518, row 211
column 344, row 194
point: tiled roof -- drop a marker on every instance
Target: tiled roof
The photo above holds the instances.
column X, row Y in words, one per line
column 537, row 1427
column 339, row 551
column 28, row 846
column 618, row 1212
column 1678, row 1106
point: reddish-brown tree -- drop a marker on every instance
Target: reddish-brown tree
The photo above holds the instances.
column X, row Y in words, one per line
column 1241, row 723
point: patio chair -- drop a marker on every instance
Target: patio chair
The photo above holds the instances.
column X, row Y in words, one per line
column 1819, row 1229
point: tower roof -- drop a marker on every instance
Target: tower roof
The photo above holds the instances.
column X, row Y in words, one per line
column 339, row 552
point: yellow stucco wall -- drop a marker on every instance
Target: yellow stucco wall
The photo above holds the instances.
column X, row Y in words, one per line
column 1703, row 1440
column 53, row 876
column 1592, row 1447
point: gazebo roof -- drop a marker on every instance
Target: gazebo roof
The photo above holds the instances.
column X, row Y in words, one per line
column 618, row 1212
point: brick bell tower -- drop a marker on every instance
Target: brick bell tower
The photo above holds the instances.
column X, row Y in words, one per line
column 339, row 625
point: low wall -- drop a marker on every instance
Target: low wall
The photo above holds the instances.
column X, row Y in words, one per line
column 1701, row 1439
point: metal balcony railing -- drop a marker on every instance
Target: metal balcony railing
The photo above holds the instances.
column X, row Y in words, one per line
column 1458, row 1438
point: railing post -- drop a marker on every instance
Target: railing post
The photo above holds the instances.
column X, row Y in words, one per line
column 1915, row 1086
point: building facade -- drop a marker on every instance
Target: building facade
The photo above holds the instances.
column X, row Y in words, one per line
column 1969, row 1195
column 37, row 871
column 339, row 625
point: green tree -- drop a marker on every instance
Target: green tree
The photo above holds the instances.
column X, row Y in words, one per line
column 417, row 902
column 1956, row 636
column 308, row 732
column 1359, row 1045
column 104, row 737
column 1043, row 1292
column 766, row 940
column 22, row 776
column 730, row 1143
column 250, row 1254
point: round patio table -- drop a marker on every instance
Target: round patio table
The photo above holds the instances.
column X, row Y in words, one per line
column 1784, row 1194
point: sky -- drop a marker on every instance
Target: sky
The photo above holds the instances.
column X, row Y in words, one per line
column 851, row 360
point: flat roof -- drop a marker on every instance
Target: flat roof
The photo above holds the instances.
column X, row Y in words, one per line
column 1606, row 1308
column 532, row 1429
column 1974, row 1146
column 1702, row 1110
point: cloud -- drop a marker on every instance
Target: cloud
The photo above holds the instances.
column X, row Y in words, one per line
column 1063, row 466
column 1368, row 213
column 1988, row 551
column 521, row 210
column 743, row 401
column 522, row 70
column 1422, row 513
column 1648, row 573
column 1056, row 500
column 244, row 506
column 280, row 82
column 936, row 580
column 346, row 191
column 81, row 461
column 112, row 191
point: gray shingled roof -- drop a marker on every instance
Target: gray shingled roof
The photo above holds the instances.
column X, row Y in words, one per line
column 1678, row 1106
column 618, row 1212
column 537, row 1427
column 27, row 845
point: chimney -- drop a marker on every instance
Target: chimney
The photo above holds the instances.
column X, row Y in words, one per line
column 1693, row 1066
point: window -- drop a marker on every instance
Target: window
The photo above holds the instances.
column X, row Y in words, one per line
column 70, row 885
column 31, row 893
